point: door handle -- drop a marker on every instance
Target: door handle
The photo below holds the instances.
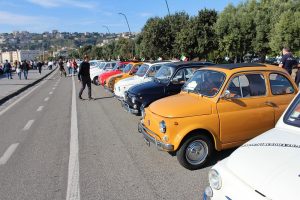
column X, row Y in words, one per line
column 270, row 103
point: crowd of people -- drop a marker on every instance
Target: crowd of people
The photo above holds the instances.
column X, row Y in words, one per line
column 22, row 68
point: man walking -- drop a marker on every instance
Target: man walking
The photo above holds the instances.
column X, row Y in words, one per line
column 25, row 67
column 7, row 69
column 287, row 61
column 84, row 77
column 39, row 66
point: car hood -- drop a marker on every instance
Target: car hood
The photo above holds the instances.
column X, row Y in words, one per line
column 148, row 88
column 186, row 105
column 129, row 81
column 270, row 163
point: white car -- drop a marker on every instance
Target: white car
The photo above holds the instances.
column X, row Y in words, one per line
column 265, row 168
column 99, row 69
column 144, row 74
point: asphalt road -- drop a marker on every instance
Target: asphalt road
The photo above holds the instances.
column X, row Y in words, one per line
column 114, row 162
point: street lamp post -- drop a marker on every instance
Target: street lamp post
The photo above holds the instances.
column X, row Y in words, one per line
column 128, row 28
column 168, row 7
column 106, row 28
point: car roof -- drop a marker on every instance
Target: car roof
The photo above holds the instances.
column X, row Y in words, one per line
column 238, row 65
column 242, row 67
column 190, row 63
column 156, row 62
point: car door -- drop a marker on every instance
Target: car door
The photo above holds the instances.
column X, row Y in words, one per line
column 282, row 92
column 246, row 114
column 177, row 81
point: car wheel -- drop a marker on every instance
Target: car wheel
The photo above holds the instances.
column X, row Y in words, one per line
column 96, row 81
column 194, row 152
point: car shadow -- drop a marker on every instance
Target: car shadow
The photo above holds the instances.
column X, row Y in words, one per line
column 218, row 156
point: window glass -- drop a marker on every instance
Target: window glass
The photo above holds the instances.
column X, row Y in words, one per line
column 142, row 70
column 248, row 85
column 280, row 85
column 153, row 70
column 164, row 74
column 127, row 68
column 293, row 114
column 205, row 82
column 179, row 77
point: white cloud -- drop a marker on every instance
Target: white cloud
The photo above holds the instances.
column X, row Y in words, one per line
column 25, row 22
column 60, row 3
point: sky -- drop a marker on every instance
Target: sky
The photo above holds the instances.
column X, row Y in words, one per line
column 91, row 15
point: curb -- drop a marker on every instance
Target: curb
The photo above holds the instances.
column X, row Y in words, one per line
column 5, row 99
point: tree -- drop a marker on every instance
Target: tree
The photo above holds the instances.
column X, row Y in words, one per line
column 85, row 50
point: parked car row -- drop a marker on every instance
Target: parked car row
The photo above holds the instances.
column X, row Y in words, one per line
column 192, row 109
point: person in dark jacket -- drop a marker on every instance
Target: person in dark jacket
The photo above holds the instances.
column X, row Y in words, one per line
column 25, row 67
column 84, row 77
column 7, row 69
column 39, row 66
column 297, row 78
column 287, row 61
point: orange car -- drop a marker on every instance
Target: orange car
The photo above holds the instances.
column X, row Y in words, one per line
column 220, row 107
column 129, row 70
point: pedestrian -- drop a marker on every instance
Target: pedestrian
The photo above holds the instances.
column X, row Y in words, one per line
column 61, row 67
column 287, row 61
column 18, row 68
column 50, row 63
column 7, row 69
column 74, row 66
column 69, row 67
column 39, row 66
column 84, row 77
column 297, row 78
column 25, row 67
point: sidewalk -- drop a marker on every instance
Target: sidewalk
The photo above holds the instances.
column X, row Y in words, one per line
column 12, row 87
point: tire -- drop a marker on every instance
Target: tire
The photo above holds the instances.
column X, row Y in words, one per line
column 190, row 159
column 96, row 81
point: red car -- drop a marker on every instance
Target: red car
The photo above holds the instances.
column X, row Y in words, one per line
column 116, row 70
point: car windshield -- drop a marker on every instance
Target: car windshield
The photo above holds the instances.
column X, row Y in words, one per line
column 292, row 116
column 164, row 73
column 118, row 66
column 108, row 66
column 142, row 70
column 101, row 65
column 205, row 82
column 127, row 68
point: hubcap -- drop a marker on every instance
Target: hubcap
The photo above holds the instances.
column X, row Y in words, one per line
column 196, row 152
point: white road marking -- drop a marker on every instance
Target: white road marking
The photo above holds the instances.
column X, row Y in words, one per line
column 50, row 92
column 40, row 108
column 53, row 88
column 28, row 125
column 73, row 190
column 25, row 95
column 8, row 153
column 46, row 99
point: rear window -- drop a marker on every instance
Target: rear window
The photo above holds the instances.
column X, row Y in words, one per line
column 292, row 116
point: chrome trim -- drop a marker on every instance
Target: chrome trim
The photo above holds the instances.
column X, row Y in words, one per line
column 159, row 145
column 127, row 108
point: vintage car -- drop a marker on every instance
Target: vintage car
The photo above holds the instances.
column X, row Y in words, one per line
column 102, row 68
column 144, row 74
column 167, row 81
column 118, row 69
column 129, row 70
column 220, row 107
column 266, row 167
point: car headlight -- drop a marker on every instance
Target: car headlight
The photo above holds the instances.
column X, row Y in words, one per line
column 133, row 99
column 215, row 180
column 162, row 126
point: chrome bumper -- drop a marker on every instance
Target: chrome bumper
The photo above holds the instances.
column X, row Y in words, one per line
column 119, row 98
column 128, row 109
column 148, row 138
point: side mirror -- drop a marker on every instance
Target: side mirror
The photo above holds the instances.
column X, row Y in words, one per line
column 226, row 95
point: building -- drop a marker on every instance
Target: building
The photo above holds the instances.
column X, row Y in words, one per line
column 7, row 56
column 28, row 54
column 15, row 56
